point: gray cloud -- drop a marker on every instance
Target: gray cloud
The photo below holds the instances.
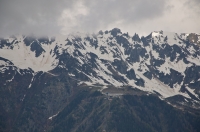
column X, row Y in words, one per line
column 194, row 5
column 103, row 14
column 27, row 16
column 51, row 17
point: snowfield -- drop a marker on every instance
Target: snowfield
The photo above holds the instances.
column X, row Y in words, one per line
column 109, row 58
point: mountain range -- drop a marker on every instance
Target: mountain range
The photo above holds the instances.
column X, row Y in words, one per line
column 108, row 81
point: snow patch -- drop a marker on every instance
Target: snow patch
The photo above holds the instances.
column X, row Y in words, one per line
column 22, row 57
column 51, row 117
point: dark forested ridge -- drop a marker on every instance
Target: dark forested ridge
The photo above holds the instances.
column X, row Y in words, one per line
column 126, row 114
column 83, row 109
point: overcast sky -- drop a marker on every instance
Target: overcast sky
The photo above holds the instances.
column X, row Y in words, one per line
column 52, row 17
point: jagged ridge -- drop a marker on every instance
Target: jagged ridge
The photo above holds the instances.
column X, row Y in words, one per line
column 163, row 62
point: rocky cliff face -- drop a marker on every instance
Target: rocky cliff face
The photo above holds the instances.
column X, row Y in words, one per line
column 41, row 76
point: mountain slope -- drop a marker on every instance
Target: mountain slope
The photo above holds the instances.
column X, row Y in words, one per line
column 161, row 62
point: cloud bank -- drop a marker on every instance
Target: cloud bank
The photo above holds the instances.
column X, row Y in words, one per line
column 52, row 17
